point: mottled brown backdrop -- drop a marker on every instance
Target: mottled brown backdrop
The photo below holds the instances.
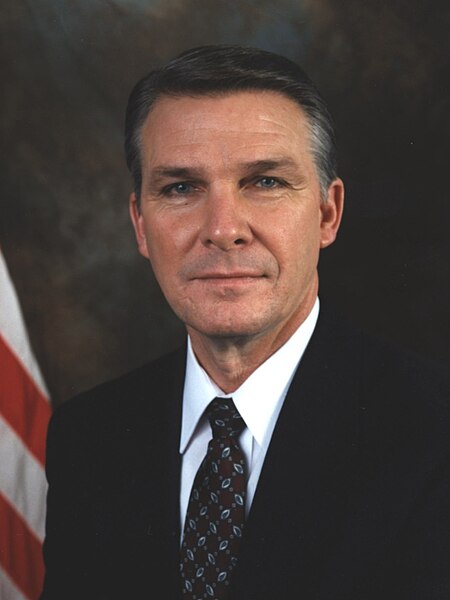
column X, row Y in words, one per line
column 90, row 302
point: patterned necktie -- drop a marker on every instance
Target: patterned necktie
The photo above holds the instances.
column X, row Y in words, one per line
column 216, row 509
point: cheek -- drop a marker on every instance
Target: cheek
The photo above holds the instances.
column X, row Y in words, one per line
column 293, row 242
column 159, row 237
column 170, row 234
column 161, row 254
column 168, row 251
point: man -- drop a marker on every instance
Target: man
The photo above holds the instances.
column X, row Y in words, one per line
column 327, row 475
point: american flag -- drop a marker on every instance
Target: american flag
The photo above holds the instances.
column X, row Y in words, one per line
column 24, row 415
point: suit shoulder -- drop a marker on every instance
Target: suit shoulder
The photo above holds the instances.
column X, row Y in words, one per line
column 122, row 394
column 390, row 377
column 395, row 371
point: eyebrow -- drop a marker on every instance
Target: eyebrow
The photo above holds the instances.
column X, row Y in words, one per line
column 270, row 164
column 174, row 171
column 251, row 166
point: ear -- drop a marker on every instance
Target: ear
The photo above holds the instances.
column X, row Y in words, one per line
column 331, row 212
column 138, row 224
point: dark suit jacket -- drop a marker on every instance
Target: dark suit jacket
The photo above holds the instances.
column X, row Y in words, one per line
column 353, row 502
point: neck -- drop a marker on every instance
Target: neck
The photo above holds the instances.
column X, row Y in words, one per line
column 229, row 361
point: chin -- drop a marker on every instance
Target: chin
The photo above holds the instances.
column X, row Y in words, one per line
column 233, row 328
column 230, row 320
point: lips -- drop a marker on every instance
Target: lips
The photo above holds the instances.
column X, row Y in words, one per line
column 229, row 275
column 232, row 268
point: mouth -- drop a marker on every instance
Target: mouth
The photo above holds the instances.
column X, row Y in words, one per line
column 230, row 285
column 238, row 276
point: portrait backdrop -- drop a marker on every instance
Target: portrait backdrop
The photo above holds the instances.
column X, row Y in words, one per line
column 91, row 304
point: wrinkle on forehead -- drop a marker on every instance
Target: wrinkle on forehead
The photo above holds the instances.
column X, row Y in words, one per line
column 270, row 109
column 229, row 129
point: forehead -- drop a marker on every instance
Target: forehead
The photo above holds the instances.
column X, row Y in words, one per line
column 230, row 125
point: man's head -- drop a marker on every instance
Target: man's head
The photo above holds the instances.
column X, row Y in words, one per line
column 232, row 212
column 217, row 70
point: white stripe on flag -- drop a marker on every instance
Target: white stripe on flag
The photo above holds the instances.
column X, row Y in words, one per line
column 24, row 413
column 12, row 327
column 22, row 480
column 8, row 591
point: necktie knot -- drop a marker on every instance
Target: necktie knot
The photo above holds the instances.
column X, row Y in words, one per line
column 224, row 418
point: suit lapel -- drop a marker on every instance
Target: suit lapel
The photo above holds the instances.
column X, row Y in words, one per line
column 149, row 467
column 306, row 478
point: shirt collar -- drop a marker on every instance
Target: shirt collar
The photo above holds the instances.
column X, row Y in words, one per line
column 259, row 399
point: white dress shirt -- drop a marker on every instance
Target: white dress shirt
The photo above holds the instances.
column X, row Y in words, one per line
column 259, row 400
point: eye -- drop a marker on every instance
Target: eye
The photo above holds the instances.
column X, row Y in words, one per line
column 268, row 182
column 181, row 188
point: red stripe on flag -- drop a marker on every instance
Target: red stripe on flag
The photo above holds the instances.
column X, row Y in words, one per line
column 20, row 552
column 22, row 404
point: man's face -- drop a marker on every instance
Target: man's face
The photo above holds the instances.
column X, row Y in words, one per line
column 231, row 215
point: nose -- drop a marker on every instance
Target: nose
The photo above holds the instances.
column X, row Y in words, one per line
column 226, row 223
